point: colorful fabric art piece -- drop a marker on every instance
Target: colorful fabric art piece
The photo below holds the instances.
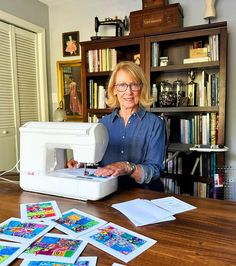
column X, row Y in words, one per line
column 25, row 232
column 55, row 247
column 40, row 211
column 10, row 251
column 118, row 241
column 82, row 261
column 6, row 252
column 76, row 223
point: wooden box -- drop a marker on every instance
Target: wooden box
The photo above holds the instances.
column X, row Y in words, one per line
column 155, row 20
column 154, row 3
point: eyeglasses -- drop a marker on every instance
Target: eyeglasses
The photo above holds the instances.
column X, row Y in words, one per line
column 123, row 86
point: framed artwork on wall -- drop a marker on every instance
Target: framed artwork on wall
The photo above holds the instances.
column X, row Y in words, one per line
column 70, row 91
column 70, row 43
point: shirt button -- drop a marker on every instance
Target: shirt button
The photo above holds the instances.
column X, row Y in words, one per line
column 123, row 137
column 122, row 151
column 129, row 122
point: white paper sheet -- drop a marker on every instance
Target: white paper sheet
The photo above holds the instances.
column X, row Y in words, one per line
column 173, row 205
column 142, row 212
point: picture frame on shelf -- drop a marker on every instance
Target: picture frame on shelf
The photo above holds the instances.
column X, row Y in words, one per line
column 70, row 43
column 70, row 92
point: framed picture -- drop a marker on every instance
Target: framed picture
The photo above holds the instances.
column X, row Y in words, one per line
column 70, row 43
column 70, row 91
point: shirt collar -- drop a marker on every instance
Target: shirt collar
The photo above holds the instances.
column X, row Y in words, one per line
column 140, row 113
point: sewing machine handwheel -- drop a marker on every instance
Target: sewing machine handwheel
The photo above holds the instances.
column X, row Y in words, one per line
column 126, row 23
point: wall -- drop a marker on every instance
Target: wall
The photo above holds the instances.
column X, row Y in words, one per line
column 72, row 15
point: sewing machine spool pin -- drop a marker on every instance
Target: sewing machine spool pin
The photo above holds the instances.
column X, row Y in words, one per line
column 86, row 172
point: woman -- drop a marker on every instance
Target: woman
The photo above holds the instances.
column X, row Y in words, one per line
column 136, row 145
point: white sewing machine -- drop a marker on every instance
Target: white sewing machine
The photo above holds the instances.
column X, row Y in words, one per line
column 43, row 148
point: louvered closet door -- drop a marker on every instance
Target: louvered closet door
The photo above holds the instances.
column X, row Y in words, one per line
column 7, row 110
column 27, row 76
column 19, row 99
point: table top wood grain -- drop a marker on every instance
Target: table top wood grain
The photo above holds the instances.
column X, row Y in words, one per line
column 203, row 236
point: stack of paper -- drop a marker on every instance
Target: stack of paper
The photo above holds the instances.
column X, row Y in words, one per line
column 142, row 212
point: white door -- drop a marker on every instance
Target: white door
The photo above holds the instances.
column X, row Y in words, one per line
column 7, row 110
column 19, row 86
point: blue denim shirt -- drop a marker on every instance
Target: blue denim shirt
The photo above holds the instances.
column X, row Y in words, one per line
column 141, row 141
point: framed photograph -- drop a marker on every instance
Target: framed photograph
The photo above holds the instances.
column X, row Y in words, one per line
column 70, row 92
column 70, row 43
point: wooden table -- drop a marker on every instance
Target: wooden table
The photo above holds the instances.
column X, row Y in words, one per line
column 204, row 236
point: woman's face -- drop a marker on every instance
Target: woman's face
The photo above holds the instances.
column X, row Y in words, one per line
column 128, row 99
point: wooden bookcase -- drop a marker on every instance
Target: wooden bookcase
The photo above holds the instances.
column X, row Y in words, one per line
column 176, row 46
column 126, row 49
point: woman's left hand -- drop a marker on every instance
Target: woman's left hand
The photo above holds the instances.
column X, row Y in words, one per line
column 113, row 169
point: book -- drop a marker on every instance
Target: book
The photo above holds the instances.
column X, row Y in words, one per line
column 90, row 61
column 196, row 60
column 113, row 59
column 91, row 93
column 203, row 89
column 155, row 54
column 213, row 129
column 95, row 95
column 101, row 97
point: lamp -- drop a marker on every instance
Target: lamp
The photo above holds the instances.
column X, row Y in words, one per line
column 210, row 10
column 59, row 114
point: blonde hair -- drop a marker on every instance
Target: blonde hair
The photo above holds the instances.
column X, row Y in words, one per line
column 137, row 74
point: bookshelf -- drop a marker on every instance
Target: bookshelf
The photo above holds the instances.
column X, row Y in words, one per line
column 192, row 172
column 200, row 123
column 98, row 60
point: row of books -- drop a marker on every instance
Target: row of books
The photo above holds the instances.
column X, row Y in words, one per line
column 204, row 54
column 97, row 95
column 201, row 189
column 214, row 47
column 170, row 185
column 173, row 164
column 208, row 89
column 200, row 164
column 201, row 129
column 201, row 167
column 101, row 59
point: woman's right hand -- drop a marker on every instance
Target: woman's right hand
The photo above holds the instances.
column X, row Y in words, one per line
column 72, row 164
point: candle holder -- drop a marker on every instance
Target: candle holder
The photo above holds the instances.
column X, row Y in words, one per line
column 192, row 89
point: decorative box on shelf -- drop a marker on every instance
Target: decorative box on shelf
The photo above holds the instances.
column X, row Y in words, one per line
column 155, row 20
column 154, row 3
